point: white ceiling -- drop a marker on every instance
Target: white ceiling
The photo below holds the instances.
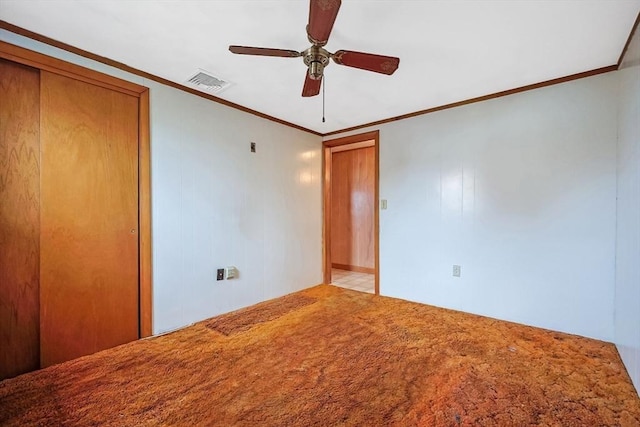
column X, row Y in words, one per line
column 449, row 50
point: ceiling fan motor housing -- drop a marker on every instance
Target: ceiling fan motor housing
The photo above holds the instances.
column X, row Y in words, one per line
column 316, row 58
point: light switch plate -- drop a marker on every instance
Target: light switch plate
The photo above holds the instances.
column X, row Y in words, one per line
column 383, row 204
column 456, row 270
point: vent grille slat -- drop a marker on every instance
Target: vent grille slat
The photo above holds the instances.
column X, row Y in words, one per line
column 206, row 81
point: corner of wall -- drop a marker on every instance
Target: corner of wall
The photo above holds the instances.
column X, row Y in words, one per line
column 627, row 276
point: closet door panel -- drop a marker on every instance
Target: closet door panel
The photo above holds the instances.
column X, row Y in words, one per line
column 19, row 219
column 89, row 242
column 353, row 208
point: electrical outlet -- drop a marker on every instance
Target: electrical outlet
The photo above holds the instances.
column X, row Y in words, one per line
column 253, row 147
column 456, row 271
column 220, row 275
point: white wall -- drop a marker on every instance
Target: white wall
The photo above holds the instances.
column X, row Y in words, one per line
column 216, row 204
column 627, row 294
column 520, row 191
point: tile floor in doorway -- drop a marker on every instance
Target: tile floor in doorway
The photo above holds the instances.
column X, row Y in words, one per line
column 362, row 282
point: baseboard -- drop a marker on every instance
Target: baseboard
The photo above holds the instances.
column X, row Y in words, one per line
column 354, row 268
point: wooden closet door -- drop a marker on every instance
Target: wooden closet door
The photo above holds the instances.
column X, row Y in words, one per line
column 19, row 219
column 353, row 209
column 89, row 224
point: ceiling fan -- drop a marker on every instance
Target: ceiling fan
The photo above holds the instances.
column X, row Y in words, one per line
column 322, row 15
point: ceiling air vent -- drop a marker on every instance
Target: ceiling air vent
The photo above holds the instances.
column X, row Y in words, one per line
column 206, row 81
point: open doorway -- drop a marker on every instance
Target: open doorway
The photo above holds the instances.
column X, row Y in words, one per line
column 351, row 212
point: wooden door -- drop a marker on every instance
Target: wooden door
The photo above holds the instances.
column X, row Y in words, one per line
column 89, row 225
column 353, row 209
column 19, row 219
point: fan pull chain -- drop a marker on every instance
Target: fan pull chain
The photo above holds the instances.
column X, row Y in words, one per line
column 324, row 81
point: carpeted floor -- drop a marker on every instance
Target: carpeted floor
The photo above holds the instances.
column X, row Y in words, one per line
column 329, row 356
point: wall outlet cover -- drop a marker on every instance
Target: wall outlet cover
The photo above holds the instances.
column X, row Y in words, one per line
column 230, row 272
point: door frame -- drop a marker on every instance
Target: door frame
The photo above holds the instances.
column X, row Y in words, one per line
column 326, row 201
column 43, row 62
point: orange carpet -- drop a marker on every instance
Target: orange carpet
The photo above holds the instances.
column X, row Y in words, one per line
column 329, row 356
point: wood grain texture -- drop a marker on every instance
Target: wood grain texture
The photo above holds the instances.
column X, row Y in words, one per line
column 326, row 215
column 376, row 209
column 76, row 72
column 89, row 239
column 352, row 139
column 363, row 144
column 19, row 219
column 329, row 146
column 353, row 207
column 354, row 268
column 51, row 42
column 57, row 66
column 144, row 188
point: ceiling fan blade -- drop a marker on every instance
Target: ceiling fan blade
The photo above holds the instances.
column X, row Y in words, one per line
column 264, row 51
column 367, row 61
column 311, row 87
column 322, row 15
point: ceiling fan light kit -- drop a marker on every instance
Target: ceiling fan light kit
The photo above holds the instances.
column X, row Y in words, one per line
column 322, row 15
